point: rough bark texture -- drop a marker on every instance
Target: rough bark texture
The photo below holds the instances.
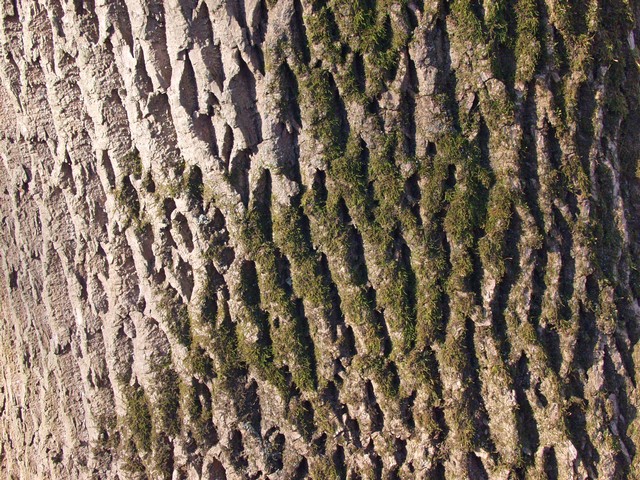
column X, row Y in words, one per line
column 319, row 239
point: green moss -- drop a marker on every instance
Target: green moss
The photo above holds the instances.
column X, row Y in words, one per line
column 176, row 316
column 257, row 353
column 349, row 171
column 358, row 306
column 575, row 176
column 393, row 295
column 131, row 164
column 191, row 402
column 319, row 99
column 453, row 200
column 147, row 183
column 498, row 220
column 498, row 110
column 333, row 236
column 194, row 185
column 275, row 54
column 358, row 22
column 128, row 201
column 454, row 352
column 131, row 459
column 467, row 23
column 373, row 190
column 384, row 374
column 200, row 363
column 368, row 29
column 138, row 417
column 162, row 457
column 167, row 397
column 352, row 174
column 454, row 357
column 288, row 232
column 301, row 415
column 435, row 172
column 288, row 226
column 293, row 337
column 388, row 185
column 466, row 207
column 199, row 416
column 430, row 315
column 350, row 86
column 225, row 346
column 528, row 47
column 607, row 312
column 323, row 32
column 324, row 469
column 254, row 227
column 496, row 19
column 463, row 430
column 286, row 90
column 425, row 370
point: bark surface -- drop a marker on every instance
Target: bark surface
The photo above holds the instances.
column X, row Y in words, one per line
column 319, row 239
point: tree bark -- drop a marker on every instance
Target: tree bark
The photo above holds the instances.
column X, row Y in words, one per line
column 319, row 239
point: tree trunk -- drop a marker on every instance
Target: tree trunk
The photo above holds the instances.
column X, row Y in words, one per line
column 319, row 239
